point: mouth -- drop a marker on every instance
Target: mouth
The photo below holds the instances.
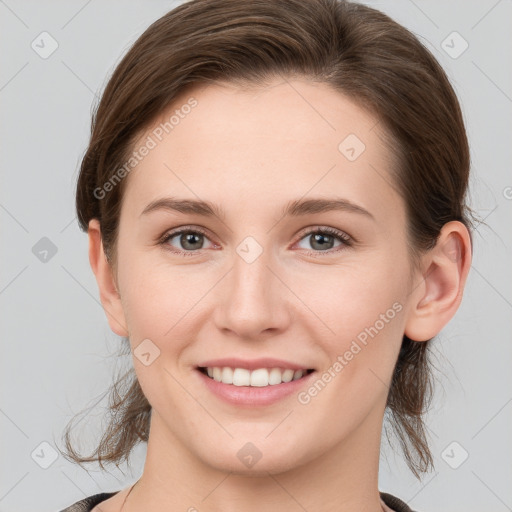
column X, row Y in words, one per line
column 260, row 377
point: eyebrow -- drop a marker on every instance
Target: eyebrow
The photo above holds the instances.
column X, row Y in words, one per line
column 294, row 208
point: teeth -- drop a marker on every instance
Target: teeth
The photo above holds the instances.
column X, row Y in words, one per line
column 217, row 374
column 274, row 376
column 227, row 375
column 288, row 375
column 241, row 377
column 257, row 378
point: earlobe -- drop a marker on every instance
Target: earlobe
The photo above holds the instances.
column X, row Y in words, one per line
column 435, row 300
column 109, row 294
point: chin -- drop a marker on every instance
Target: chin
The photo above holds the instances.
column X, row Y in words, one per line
column 247, row 460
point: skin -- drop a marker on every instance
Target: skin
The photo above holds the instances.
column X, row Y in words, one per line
column 251, row 151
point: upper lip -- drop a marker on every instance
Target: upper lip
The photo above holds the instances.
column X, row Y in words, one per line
column 253, row 364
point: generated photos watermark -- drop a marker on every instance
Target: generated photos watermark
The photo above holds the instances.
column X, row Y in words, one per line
column 150, row 143
column 304, row 397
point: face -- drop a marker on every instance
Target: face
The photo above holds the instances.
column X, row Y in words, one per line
column 274, row 273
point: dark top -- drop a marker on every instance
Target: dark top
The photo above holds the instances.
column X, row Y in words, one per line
column 87, row 504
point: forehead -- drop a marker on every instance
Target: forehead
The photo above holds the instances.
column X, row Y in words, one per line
column 291, row 138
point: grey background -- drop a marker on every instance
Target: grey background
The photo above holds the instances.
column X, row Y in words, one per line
column 54, row 334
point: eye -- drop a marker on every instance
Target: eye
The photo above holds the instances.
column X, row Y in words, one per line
column 189, row 240
column 323, row 239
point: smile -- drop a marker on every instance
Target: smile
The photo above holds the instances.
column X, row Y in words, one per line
column 260, row 377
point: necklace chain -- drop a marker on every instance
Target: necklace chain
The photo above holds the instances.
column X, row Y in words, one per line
column 126, row 497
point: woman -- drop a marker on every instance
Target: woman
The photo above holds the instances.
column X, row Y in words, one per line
column 315, row 155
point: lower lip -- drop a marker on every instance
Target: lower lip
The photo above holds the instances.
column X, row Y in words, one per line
column 253, row 395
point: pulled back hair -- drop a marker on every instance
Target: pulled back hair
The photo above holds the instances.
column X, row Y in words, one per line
column 358, row 51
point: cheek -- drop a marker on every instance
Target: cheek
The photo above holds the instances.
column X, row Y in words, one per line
column 365, row 317
column 362, row 322
column 350, row 298
column 156, row 293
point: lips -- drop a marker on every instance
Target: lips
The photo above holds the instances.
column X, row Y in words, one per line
column 254, row 382
column 253, row 388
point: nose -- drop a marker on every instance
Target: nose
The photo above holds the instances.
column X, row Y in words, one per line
column 253, row 301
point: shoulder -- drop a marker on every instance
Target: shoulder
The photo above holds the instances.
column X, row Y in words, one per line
column 396, row 504
column 87, row 504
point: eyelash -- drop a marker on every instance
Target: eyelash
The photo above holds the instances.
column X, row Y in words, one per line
column 346, row 240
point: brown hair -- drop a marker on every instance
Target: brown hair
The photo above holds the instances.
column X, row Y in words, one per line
column 358, row 51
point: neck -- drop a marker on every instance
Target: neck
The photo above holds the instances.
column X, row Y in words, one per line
column 343, row 478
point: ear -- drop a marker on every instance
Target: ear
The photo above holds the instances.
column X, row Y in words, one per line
column 109, row 295
column 439, row 293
